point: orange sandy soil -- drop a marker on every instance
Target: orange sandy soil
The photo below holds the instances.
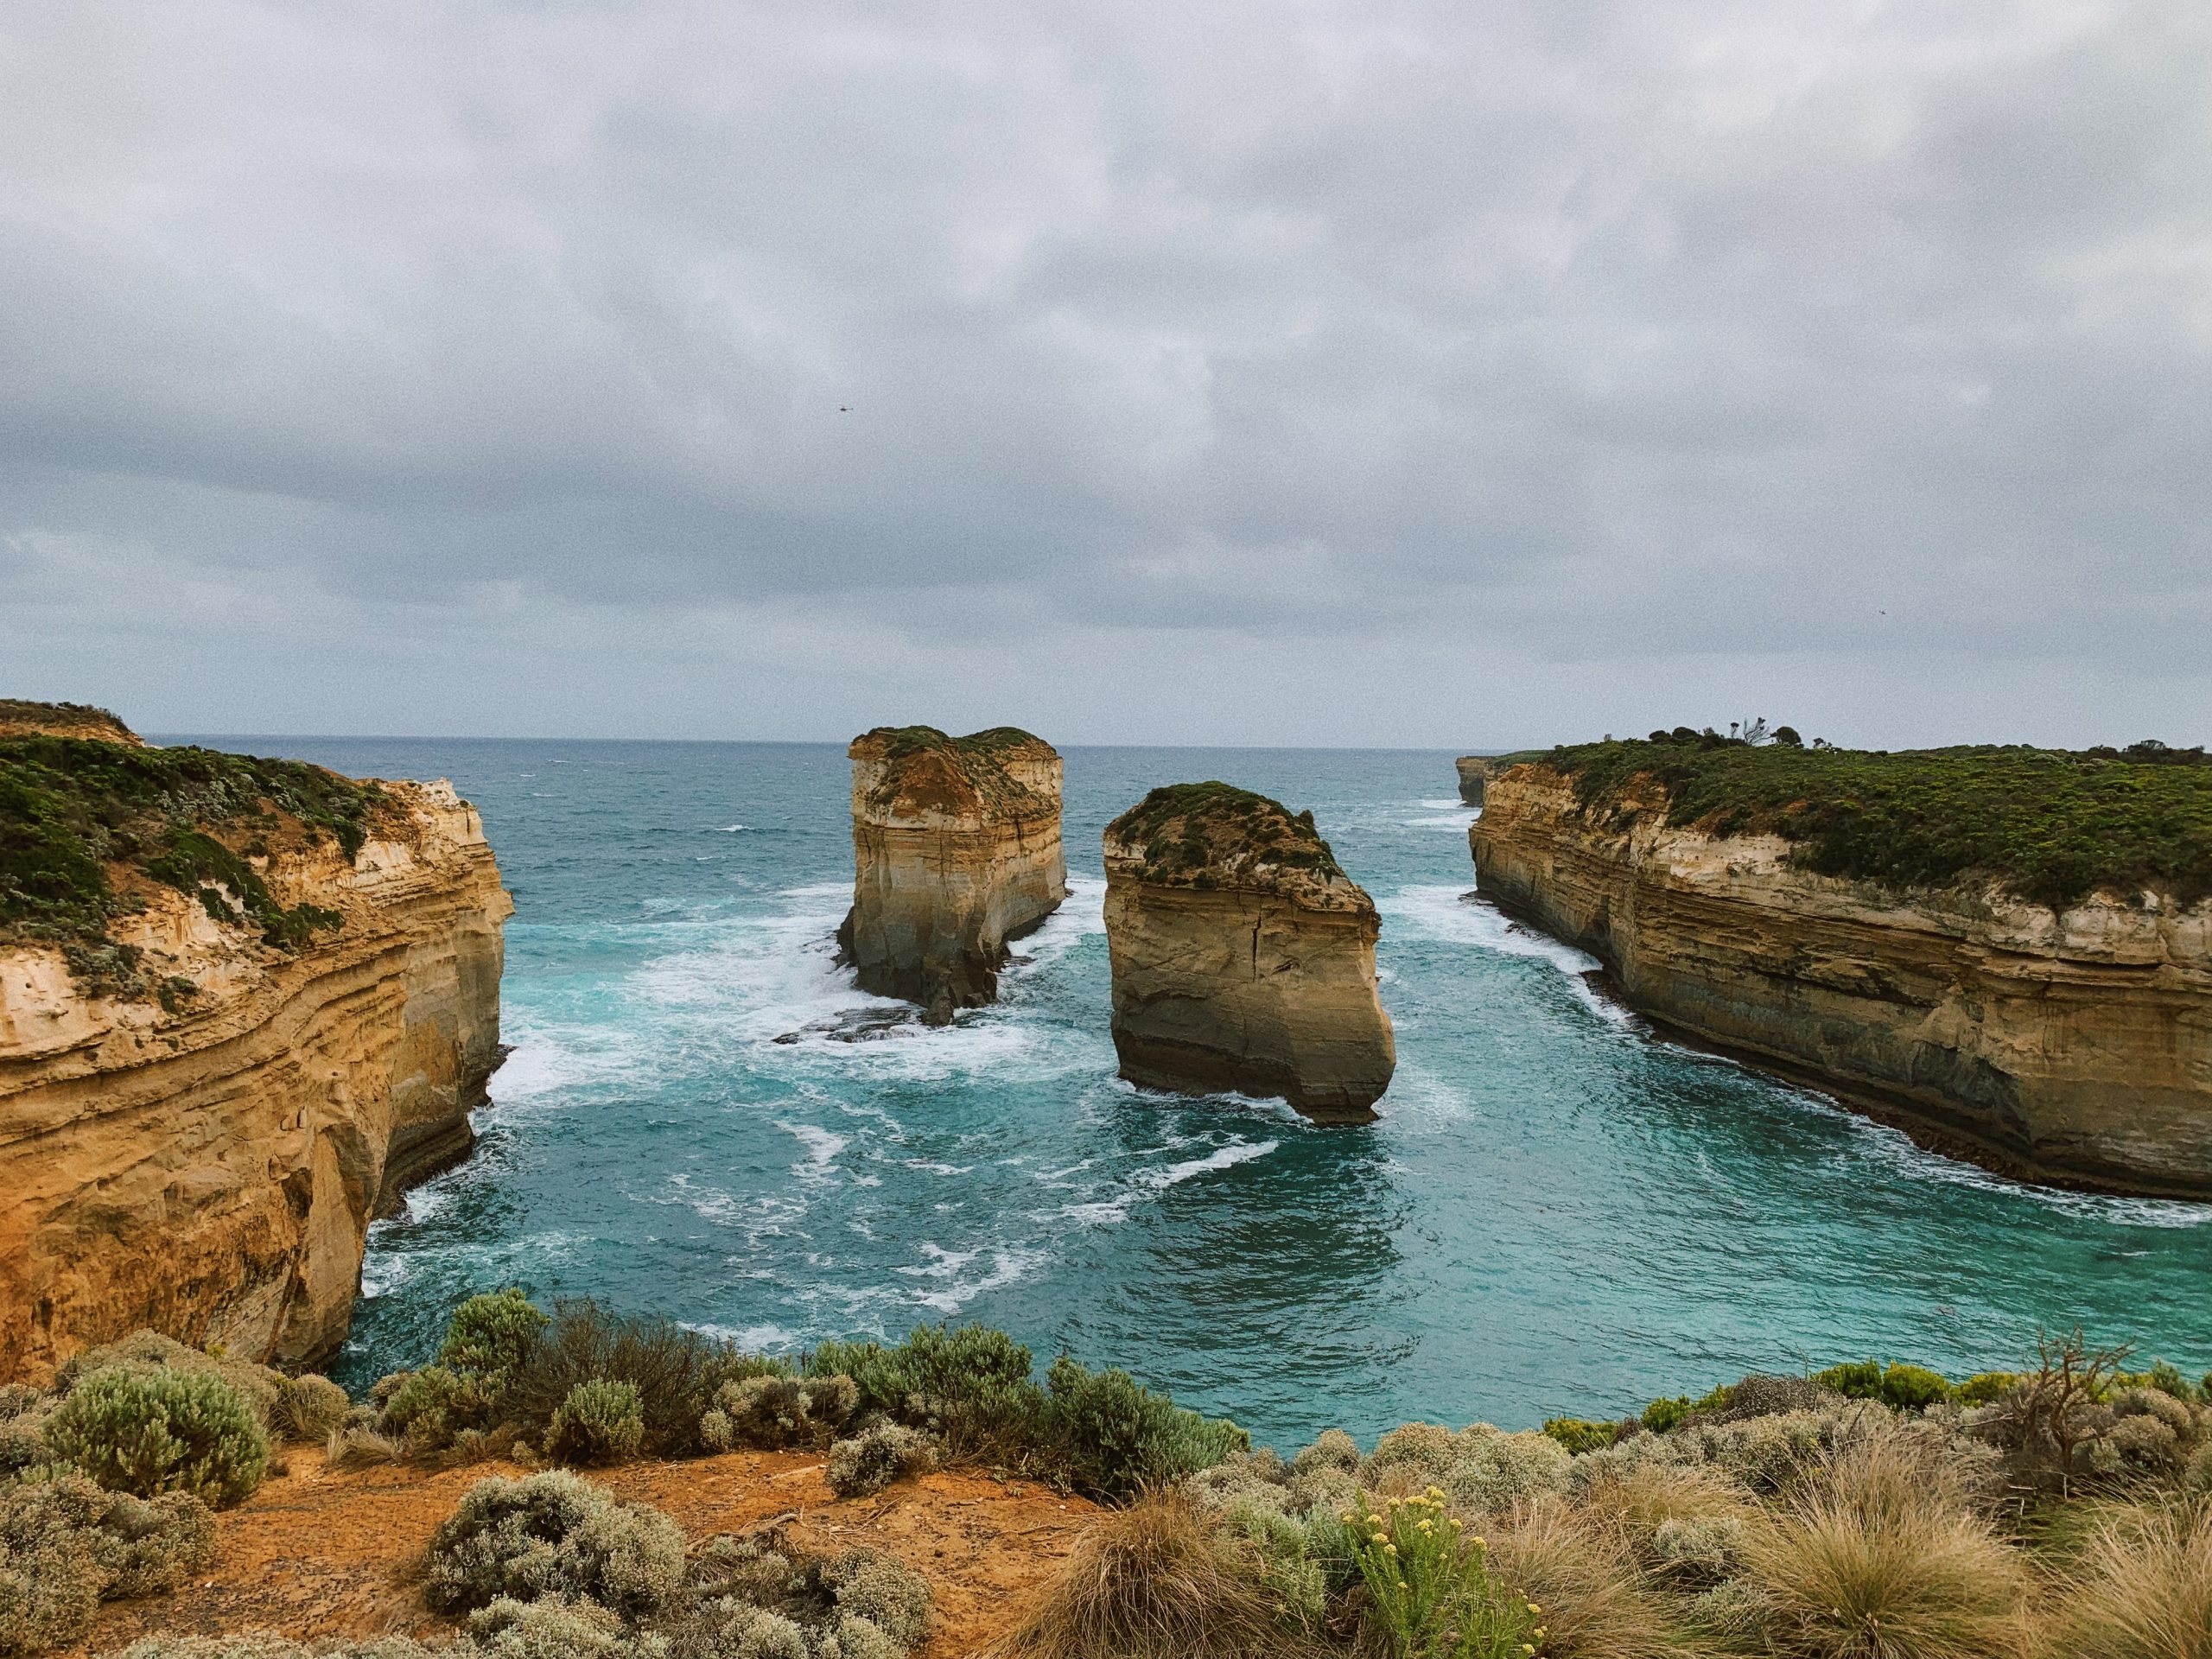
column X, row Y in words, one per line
column 319, row 1552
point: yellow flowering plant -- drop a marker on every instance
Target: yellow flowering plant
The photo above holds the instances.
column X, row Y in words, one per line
column 1434, row 1592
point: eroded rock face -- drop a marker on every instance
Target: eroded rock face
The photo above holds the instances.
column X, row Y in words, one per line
column 202, row 1154
column 1474, row 773
column 956, row 850
column 1243, row 958
column 2072, row 1047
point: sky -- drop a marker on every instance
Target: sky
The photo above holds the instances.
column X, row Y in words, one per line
column 1468, row 374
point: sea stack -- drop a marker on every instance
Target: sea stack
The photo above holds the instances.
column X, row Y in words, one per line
column 956, row 850
column 1243, row 958
column 243, row 1005
column 1474, row 773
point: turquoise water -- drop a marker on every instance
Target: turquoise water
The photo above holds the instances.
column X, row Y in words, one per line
column 1557, row 1213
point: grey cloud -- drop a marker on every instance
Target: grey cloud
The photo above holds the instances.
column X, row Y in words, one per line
column 871, row 354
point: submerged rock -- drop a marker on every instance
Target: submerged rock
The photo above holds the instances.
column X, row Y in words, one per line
column 956, row 850
column 1243, row 958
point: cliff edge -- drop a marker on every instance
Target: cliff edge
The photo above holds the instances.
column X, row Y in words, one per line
column 2007, row 953
column 956, row 850
column 1242, row 956
column 243, row 1003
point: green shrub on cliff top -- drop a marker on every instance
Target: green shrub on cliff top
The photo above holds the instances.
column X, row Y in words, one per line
column 490, row 1335
column 2054, row 825
column 161, row 1431
column 70, row 806
column 553, row 1534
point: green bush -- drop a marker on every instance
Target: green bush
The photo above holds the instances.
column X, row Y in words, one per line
column 428, row 1409
column 870, row 1461
column 490, row 1336
column 1856, row 1379
column 66, row 1544
column 1579, row 1434
column 1913, row 1388
column 883, row 1590
column 307, row 1407
column 600, row 1422
column 159, row 1431
column 1663, row 1414
column 1110, row 1435
column 551, row 1629
column 675, row 1371
column 1432, row 1594
column 553, row 1534
column 771, row 1412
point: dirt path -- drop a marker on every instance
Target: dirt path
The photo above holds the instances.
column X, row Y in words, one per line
column 318, row 1552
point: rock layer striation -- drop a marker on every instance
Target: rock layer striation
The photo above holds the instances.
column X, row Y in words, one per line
column 956, row 850
column 1242, row 956
column 197, row 1141
column 2073, row 1046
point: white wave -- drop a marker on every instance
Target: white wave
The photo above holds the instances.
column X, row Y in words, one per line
column 550, row 1060
column 1147, row 1184
column 1226, row 1157
column 1444, row 803
column 1009, row 1264
column 822, row 1150
column 750, row 1338
column 1455, row 916
column 732, row 828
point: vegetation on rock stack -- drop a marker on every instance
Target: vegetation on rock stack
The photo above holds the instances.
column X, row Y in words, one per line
column 980, row 757
column 1212, row 834
column 81, row 820
column 2053, row 825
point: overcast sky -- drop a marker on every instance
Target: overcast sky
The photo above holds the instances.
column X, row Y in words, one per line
column 1471, row 373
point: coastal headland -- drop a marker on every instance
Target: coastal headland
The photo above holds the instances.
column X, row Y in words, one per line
column 243, row 1004
column 2007, row 952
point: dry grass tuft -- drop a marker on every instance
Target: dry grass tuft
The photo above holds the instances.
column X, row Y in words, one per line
column 1876, row 1559
column 1598, row 1603
column 2144, row 1589
column 1156, row 1581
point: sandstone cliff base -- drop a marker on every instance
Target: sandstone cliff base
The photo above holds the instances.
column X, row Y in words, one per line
column 1243, row 958
column 956, row 850
column 202, row 1108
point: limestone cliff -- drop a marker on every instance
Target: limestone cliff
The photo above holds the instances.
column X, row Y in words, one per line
column 2068, row 1042
column 20, row 719
column 956, row 850
column 1476, row 770
column 1243, row 958
column 243, row 1004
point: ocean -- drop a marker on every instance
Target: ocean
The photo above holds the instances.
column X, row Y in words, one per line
column 1558, row 1213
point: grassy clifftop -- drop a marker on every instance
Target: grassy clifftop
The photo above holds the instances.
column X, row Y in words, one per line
column 82, row 821
column 2054, row 825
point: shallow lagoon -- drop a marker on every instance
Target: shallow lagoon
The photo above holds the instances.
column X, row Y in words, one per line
column 1557, row 1212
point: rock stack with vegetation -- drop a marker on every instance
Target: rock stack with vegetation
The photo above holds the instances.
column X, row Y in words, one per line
column 243, row 1004
column 2006, row 951
column 1242, row 956
column 956, row 850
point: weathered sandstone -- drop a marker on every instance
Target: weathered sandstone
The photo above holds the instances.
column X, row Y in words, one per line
column 200, row 1148
column 2073, row 1046
column 1474, row 773
column 956, row 850
column 1243, row 958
